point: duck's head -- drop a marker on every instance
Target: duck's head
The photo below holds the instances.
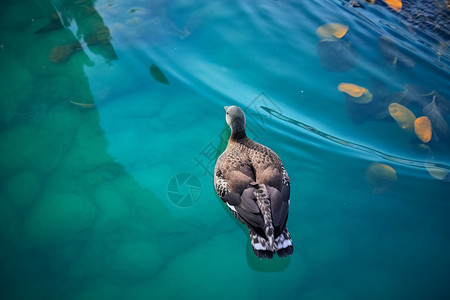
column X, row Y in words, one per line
column 235, row 119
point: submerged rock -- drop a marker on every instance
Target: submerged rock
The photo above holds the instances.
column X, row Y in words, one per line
column 132, row 262
column 111, row 205
column 31, row 150
column 16, row 85
column 97, row 288
column 23, row 189
column 59, row 218
column 8, row 226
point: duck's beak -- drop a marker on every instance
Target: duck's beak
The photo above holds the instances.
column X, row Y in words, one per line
column 226, row 108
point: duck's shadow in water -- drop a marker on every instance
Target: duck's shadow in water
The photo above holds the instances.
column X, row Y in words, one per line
column 276, row 264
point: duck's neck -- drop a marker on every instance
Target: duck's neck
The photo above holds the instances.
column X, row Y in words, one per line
column 237, row 136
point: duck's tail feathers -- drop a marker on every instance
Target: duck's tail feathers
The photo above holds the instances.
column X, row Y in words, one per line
column 283, row 244
column 263, row 202
column 265, row 246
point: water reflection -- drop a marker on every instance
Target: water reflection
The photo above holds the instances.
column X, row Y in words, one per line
column 90, row 32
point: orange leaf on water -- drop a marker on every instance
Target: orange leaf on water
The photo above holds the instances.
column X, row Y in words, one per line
column 422, row 128
column 331, row 30
column 394, row 4
column 403, row 116
column 360, row 94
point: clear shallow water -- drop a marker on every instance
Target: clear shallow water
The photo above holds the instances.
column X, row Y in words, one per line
column 116, row 200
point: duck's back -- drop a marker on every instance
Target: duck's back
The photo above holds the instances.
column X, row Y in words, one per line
column 246, row 161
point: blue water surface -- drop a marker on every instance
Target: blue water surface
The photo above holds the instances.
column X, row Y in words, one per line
column 106, row 187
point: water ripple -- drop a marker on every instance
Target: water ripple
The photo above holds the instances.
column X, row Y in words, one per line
column 396, row 159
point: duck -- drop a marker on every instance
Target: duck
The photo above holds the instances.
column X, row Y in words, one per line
column 252, row 181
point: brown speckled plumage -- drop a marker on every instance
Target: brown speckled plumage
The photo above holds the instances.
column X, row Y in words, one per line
column 252, row 181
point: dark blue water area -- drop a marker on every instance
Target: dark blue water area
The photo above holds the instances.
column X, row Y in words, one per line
column 112, row 119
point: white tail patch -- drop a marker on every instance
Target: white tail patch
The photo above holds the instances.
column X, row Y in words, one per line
column 283, row 241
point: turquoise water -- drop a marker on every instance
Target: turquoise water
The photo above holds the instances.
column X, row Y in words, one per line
column 106, row 168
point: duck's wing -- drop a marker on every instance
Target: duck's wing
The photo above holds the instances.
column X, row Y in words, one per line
column 242, row 205
column 279, row 200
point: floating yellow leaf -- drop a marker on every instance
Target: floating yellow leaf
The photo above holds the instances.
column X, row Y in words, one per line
column 394, row 4
column 359, row 94
column 351, row 89
column 422, row 128
column 436, row 172
column 381, row 177
column 331, row 30
column 403, row 116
